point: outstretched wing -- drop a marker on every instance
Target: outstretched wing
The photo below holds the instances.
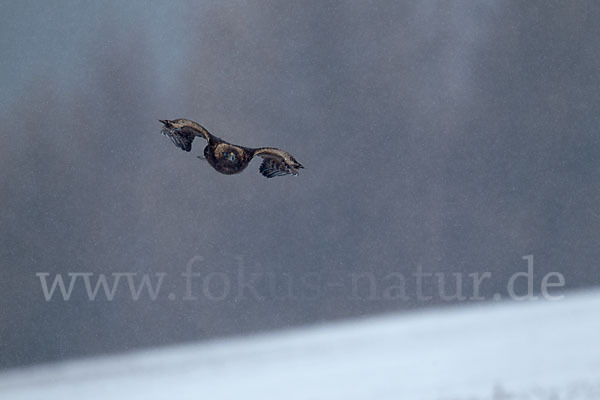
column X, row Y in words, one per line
column 277, row 162
column 183, row 132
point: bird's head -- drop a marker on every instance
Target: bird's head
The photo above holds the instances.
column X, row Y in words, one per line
column 230, row 154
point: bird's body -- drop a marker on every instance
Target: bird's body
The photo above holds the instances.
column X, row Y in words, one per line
column 226, row 158
column 229, row 158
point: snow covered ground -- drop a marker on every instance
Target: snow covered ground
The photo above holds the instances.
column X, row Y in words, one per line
column 506, row 350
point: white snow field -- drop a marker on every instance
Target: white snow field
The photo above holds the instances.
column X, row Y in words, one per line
column 505, row 350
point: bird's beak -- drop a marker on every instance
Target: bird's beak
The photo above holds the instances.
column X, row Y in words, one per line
column 164, row 121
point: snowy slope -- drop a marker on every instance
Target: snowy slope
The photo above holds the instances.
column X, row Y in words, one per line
column 530, row 350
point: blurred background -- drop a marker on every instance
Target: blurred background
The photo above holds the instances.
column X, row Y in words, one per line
column 443, row 137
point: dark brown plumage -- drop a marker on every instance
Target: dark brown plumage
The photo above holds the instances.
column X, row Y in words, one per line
column 229, row 158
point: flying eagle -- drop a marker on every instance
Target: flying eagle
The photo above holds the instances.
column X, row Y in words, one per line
column 229, row 158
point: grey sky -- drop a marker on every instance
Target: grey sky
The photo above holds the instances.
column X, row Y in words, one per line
column 455, row 136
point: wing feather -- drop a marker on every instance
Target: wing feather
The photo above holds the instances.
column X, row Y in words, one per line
column 183, row 132
column 277, row 162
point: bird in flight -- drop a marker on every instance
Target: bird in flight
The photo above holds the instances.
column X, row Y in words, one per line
column 229, row 158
